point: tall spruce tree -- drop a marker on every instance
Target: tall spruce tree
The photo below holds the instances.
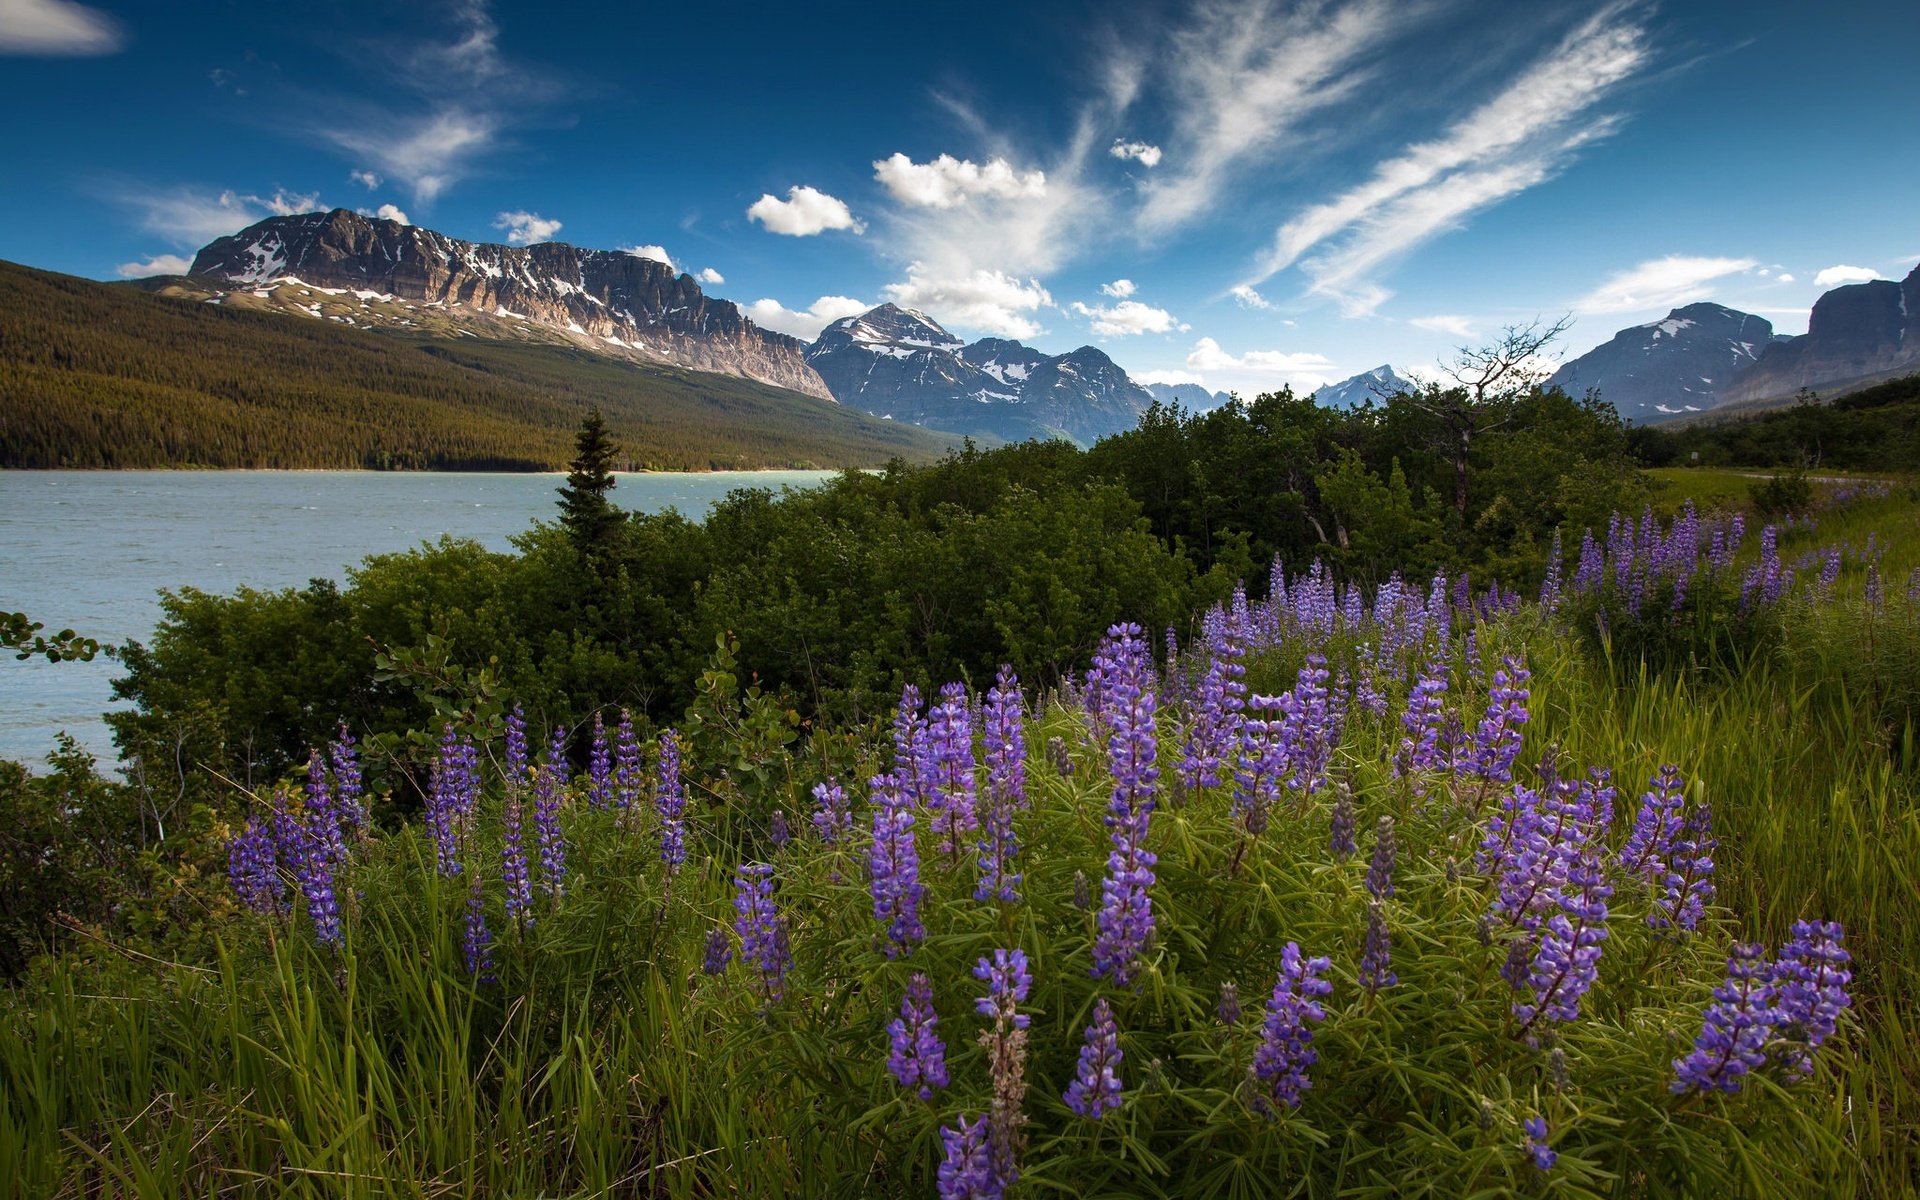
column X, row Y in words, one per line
column 586, row 514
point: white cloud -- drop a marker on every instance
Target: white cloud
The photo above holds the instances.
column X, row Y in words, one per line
column 159, row 264
column 57, row 28
column 1660, row 283
column 1142, row 152
column 710, row 277
column 1246, row 74
column 1460, row 327
column 807, row 324
column 1127, row 318
column 391, row 212
column 652, row 254
column 1168, row 377
column 1836, row 276
column 190, row 217
column 526, row 228
column 1248, row 297
column 1783, row 277
column 431, row 152
column 1519, row 139
column 803, row 213
column 948, row 182
column 1119, row 289
column 367, row 179
column 1208, row 356
column 986, row 300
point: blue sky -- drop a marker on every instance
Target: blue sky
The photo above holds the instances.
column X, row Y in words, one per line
column 1238, row 192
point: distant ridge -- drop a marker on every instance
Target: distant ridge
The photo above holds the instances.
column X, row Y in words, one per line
column 149, row 375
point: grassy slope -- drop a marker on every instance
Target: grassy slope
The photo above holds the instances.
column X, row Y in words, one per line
column 94, row 375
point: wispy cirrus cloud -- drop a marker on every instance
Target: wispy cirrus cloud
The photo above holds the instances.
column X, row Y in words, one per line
column 1243, row 76
column 57, row 29
column 1517, row 140
column 1661, row 283
column 191, row 217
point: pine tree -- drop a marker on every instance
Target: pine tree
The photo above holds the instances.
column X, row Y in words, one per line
column 586, row 514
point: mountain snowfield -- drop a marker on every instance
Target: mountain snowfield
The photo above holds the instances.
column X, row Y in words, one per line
column 901, row 364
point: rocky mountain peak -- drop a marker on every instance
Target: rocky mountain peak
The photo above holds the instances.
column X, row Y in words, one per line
column 607, row 301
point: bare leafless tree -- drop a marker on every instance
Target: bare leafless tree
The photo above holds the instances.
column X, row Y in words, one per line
column 1507, row 366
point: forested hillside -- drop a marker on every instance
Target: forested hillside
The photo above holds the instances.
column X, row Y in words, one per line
column 102, row 375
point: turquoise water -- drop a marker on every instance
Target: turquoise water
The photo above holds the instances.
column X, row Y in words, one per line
column 90, row 550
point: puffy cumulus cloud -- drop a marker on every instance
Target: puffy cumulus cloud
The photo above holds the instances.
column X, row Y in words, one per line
column 367, row 179
column 1141, row 152
column 57, row 29
column 1460, row 327
column 392, row 212
column 1119, row 289
column 652, row 254
column 1127, row 318
column 1207, row 355
column 189, row 216
column 1520, row 138
column 710, row 277
column 805, row 212
column 1248, row 297
column 948, row 182
column 1783, row 277
column 1660, row 283
column 1166, row 377
column 985, row 300
column 805, row 324
column 1840, row 275
column 159, row 264
column 526, row 228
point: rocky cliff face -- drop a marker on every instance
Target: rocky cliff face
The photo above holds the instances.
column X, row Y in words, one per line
column 1857, row 334
column 902, row 364
column 607, row 301
column 1678, row 364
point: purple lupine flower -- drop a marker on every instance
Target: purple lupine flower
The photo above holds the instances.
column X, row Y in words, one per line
column 306, row 854
column 1876, row 591
column 549, row 792
column 909, row 730
column 670, row 802
column 349, row 785
column 516, row 768
column 1810, row 986
column 966, row 1168
column 513, row 862
column 453, row 791
column 1376, row 955
column 1687, row 885
column 1342, row 834
column 1550, row 587
column 1496, row 743
column 1008, row 981
column 1380, row 869
column 1310, row 727
column 831, row 819
column 626, row 764
column 1095, row 1090
column 917, row 1057
column 1420, row 749
column 1567, row 961
column 1227, row 1008
column 1733, row 1038
column 946, row 758
column 253, row 868
column 476, row 944
column 1592, row 569
column 718, row 952
column 777, row 831
column 1264, row 754
column 1125, row 919
column 323, row 815
column 599, row 766
column 1286, row 1037
column 1005, row 743
column 1538, row 1151
column 894, row 862
column 763, row 933
column 1656, row 826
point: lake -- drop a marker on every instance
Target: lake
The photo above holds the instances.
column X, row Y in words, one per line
column 90, row 550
